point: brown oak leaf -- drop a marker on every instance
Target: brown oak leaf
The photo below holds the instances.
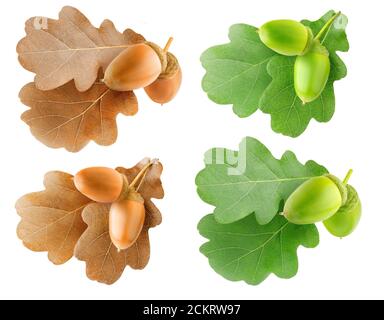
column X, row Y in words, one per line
column 104, row 263
column 51, row 220
column 152, row 186
column 67, row 118
column 70, row 48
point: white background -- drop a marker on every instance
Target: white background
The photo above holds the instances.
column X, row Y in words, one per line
column 179, row 134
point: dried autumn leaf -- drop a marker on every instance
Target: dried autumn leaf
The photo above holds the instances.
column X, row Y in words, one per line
column 70, row 48
column 67, row 118
column 152, row 186
column 104, row 263
column 51, row 219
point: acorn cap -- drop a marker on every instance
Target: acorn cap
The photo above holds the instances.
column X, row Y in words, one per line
column 353, row 200
column 310, row 41
column 129, row 193
column 341, row 186
column 347, row 218
column 135, row 196
column 125, row 189
column 172, row 67
column 317, row 47
column 161, row 54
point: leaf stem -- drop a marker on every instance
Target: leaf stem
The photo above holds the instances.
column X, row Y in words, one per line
column 347, row 177
column 142, row 181
column 142, row 174
column 168, row 45
column 327, row 26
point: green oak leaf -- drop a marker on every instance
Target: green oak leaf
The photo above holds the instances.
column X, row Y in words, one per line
column 337, row 38
column 237, row 72
column 249, row 76
column 247, row 251
column 251, row 181
column 289, row 115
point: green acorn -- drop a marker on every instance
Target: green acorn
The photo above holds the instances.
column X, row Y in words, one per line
column 312, row 72
column 346, row 220
column 315, row 200
column 286, row 37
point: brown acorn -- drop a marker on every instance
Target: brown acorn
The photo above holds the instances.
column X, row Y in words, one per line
column 101, row 184
column 166, row 87
column 136, row 67
column 126, row 221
